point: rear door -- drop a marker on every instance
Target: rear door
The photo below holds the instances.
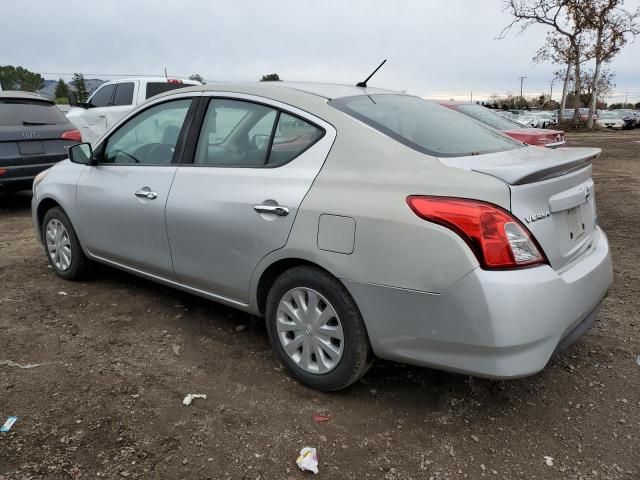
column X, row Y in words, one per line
column 121, row 201
column 251, row 165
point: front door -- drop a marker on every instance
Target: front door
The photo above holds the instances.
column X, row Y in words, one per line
column 252, row 166
column 121, row 201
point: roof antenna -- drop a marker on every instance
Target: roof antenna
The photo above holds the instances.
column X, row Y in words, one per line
column 364, row 84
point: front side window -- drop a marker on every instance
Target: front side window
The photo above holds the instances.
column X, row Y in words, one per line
column 239, row 134
column 124, row 94
column 102, row 97
column 425, row 126
column 149, row 138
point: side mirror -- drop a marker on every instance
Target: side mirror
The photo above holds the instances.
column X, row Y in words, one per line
column 81, row 153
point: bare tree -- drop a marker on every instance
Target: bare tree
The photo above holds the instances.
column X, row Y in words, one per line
column 558, row 50
column 610, row 26
column 565, row 17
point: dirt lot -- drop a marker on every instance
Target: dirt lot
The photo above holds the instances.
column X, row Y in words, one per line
column 120, row 353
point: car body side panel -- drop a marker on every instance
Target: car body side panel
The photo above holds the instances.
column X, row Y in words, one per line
column 368, row 177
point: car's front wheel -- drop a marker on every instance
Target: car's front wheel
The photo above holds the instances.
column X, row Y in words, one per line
column 62, row 247
column 316, row 329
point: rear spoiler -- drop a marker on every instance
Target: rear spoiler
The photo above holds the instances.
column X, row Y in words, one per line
column 528, row 165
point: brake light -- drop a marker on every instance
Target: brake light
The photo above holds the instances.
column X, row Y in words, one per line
column 173, row 80
column 3, row 171
column 498, row 240
column 74, row 135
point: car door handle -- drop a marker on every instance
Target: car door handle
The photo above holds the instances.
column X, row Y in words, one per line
column 146, row 194
column 272, row 209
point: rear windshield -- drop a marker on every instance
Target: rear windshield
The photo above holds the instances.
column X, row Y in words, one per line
column 156, row 88
column 425, row 126
column 487, row 116
column 16, row 111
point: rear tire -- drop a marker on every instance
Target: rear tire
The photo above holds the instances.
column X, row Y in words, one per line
column 325, row 321
column 62, row 247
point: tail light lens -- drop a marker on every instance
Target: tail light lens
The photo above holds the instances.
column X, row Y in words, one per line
column 3, row 171
column 498, row 240
column 74, row 135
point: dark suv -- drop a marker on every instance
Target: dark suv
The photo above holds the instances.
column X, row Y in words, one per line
column 34, row 135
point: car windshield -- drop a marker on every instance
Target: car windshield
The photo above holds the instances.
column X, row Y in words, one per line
column 487, row 116
column 19, row 112
column 425, row 126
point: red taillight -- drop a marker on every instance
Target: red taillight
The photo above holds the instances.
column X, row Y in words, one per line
column 173, row 80
column 498, row 240
column 3, row 171
column 74, row 135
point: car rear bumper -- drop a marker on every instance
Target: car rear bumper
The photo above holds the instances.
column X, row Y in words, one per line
column 556, row 144
column 21, row 176
column 496, row 324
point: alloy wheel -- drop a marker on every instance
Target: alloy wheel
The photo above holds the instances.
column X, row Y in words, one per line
column 58, row 244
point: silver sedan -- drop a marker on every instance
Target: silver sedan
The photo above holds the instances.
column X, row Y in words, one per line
column 358, row 222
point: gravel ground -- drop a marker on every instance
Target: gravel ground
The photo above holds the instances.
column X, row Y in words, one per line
column 118, row 354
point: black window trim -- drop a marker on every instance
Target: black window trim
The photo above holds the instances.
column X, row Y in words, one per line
column 178, row 153
column 340, row 105
column 109, row 104
column 188, row 158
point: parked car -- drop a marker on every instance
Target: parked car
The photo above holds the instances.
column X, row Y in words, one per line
column 530, row 136
column 616, row 119
column 34, row 135
column 528, row 120
column 112, row 100
column 358, row 222
column 546, row 119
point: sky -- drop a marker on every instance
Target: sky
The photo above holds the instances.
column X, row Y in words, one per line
column 437, row 49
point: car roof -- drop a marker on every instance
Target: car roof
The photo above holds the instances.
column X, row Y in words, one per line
column 152, row 79
column 328, row 91
column 23, row 95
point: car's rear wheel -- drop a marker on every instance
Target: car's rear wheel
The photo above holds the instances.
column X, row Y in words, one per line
column 62, row 247
column 316, row 329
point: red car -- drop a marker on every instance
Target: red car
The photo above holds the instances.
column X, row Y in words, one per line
column 531, row 136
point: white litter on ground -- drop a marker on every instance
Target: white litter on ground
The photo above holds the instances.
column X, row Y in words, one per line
column 9, row 363
column 308, row 460
column 548, row 461
column 190, row 397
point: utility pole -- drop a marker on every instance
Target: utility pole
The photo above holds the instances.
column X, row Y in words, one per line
column 165, row 72
column 471, row 97
column 522, row 79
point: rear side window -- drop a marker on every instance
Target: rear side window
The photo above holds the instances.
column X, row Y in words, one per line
column 425, row 126
column 156, row 88
column 21, row 112
column 124, row 94
column 245, row 134
column 102, row 97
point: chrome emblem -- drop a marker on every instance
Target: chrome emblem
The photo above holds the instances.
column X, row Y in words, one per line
column 308, row 330
column 537, row 216
column 30, row 134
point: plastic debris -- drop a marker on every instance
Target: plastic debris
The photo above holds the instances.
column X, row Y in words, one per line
column 8, row 424
column 64, row 294
column 548, row 461
column 9, row 363
column 176, row 349
column 320, row 418
column 308, row 460
column 190, row 397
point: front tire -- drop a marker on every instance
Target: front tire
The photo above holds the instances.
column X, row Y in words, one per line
column 316, row 329
column 62, row 247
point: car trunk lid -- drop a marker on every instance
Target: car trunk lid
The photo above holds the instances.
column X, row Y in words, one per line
column 552, row 194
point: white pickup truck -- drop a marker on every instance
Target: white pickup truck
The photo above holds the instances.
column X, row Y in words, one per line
column 112, row 100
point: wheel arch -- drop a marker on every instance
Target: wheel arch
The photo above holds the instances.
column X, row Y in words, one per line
column 42, row 208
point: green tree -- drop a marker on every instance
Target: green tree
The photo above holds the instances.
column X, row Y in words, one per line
column 198, row 78
column 272, row 77
column 81, row 88
column 62, row 91
column 18, row 78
